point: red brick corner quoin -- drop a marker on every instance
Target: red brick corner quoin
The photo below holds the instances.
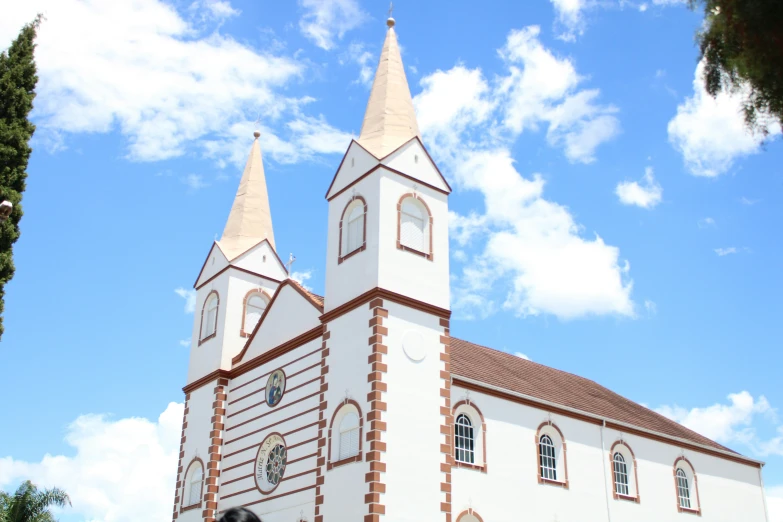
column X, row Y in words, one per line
column 378, row 388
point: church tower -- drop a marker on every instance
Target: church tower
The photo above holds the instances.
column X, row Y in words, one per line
column 387, row 274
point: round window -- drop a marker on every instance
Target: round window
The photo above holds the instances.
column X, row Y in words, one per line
column 270, row 463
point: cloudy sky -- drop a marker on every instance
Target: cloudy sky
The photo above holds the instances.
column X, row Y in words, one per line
column 609, row 218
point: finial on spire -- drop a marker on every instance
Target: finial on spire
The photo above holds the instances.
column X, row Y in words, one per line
column 257, row 134
column 390, row 20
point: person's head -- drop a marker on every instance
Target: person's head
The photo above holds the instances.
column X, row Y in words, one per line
column 239, row 514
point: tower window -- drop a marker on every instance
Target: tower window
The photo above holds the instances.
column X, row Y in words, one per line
column 256, row 302
column 193, row 485
column 349, row 436
column 353, row 228
column 345, row 435
column 414, row 227
column 464, row 442
column 209, row 317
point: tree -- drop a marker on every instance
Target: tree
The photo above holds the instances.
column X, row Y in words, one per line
column 17, row 89
column 742, row 48
column 29, row 504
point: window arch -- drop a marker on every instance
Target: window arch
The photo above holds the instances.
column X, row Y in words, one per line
column 345, row 435
column 469, row 516
column 414, row 225
column 254, row 305
column 686, row 486
column 551, row 455
column 625, row 479
column 353, row 228
column 193, row 485
column 209, row 317
column 469, row 436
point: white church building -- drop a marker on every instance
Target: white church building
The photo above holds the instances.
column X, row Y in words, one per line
column 359, row 406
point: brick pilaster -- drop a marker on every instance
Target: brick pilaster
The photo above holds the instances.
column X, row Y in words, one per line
column 215, row 450
column 446, row 447
column 180, row 478
column 322, row 457
column 377, row 426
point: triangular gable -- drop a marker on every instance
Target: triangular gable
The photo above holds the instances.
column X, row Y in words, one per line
column 252, row 259
column 356, row 162
column 413, row 160
column 214, row 263
column 291, row 312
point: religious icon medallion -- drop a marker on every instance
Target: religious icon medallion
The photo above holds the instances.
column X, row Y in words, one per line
column 275, row 387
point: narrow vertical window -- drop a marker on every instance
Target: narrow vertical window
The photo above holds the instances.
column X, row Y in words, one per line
column 255, row 304
column 620, row 475
column 194, row 492
column 349, row 436
column 352, row 227
column 209, row 317
column 546, row 455
column 464, row 441
column 683, row 492
column 413, row 225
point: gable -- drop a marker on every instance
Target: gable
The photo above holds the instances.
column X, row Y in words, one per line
column 215, row 262
column 356, row 162
column 413, row 160
column 290, row 313
column 262, row 259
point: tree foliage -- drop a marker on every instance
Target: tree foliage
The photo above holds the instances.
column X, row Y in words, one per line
column 17, row 90
column 29, row 504
column 742, row 48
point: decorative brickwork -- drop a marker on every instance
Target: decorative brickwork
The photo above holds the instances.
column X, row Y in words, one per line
column 180, row 470
column 447, row 421
column 215, row 449
column 377, row 426
column 321, row 458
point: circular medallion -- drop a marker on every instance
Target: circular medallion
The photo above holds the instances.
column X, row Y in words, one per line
column 414, row 346
column 270, row 463
column 275, row 387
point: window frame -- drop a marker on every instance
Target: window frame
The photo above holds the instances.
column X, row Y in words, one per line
column 207, row 301
column 333, row 450
column 469, row 409
column 551, row 430
column 185, row 486
column 252, row 293
column 428, row 224
column 469, row 513
column 625, row 450
column 687, row 468
column 342, row 256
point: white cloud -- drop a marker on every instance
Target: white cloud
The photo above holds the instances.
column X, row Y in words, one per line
column 195, row 181
column 522, row 356
column 730, row 250
column 302, row 277
column 710, row 133
column 749, row 202
column 217, row 9
column 326, row 20
column 706, row 222
column 122, row 470
column 775, row 503
column 570, row 16
column 190, row 299
column 185, row 343
column 646, row 194
column 360, row 56
column 651, row 307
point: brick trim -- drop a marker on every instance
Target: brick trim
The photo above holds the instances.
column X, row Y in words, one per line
column 215, row 449
column 251, row 293
column 202, row 340
column 694, row 486
column 617, row 496
column 378, row 388
column 388, row 295
column 180, row 478
column 468, row 512
column 400, row 246
column 185, row 484
column 458, row 464
column 320, row 458
column 542, row 480
column 356, row 458
column 340, row 256
column 447, row 422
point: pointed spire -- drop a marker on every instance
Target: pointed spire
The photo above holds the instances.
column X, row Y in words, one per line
column 250, row 220
column 390, row 119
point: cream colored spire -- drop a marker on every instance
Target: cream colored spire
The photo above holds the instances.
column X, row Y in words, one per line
column 389, row 120
column 250, row 220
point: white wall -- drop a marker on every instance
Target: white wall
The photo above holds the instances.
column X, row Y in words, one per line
column 356, row 163
column 197, row 440
column 729, row 492
column 412, row 159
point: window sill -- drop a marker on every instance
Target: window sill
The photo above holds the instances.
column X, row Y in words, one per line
column 689, row 510
column 542, row 480
column 192, row 506
column 207, row 338
column 629, row 498
column 343, row 462
column 468, row 465
column 362, row 248
column 400, row 246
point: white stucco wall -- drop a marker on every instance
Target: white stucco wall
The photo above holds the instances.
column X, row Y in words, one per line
column 357, row 162
column 509, row 491
column 413, row 160
column 197, row 440
column 214, row 263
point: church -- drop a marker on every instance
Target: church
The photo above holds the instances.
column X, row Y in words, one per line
column 359, row 406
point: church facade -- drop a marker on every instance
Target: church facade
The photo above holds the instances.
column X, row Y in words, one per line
column 359, row 406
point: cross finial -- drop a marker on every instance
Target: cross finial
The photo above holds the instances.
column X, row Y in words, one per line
column 391, row 8
column 257, row 123
column 291, row 259
column 390, row 20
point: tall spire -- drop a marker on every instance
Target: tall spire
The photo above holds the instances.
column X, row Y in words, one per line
column 390, row 119
column 250, row 220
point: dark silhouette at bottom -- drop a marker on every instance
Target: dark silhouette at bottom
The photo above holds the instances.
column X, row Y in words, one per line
column 239, row 515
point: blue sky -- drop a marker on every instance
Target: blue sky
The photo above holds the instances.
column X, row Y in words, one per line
column 608, row 218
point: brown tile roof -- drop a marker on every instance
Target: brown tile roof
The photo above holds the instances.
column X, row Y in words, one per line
column 316, row 299
column 518, row 375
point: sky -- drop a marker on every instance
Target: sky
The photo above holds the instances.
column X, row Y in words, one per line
column 608, row 217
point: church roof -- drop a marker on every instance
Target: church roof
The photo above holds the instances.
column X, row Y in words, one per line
column 250, row 220
column 389, row 120
column 518, row 375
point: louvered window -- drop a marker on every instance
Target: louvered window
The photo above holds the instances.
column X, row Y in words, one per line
column 254, row 309
column 547, row 460
column 209, row 317
column 194, row 485
column 620, row 475
column 464, row 441
column 349, row 436
column 683, row 492
column 414, row 225
column 353, row 227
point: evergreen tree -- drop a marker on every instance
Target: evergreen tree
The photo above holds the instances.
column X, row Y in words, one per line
column 742, row 47
column 17, row 90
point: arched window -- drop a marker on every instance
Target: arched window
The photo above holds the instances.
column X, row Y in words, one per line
column 209, row 316
column 414, row 227
column 193, row 484
column 464, row 442
column 546, row 456
column 256, row 302
column 352, row 228
column 683, row 492
column 349, row 436
column 620, row 475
